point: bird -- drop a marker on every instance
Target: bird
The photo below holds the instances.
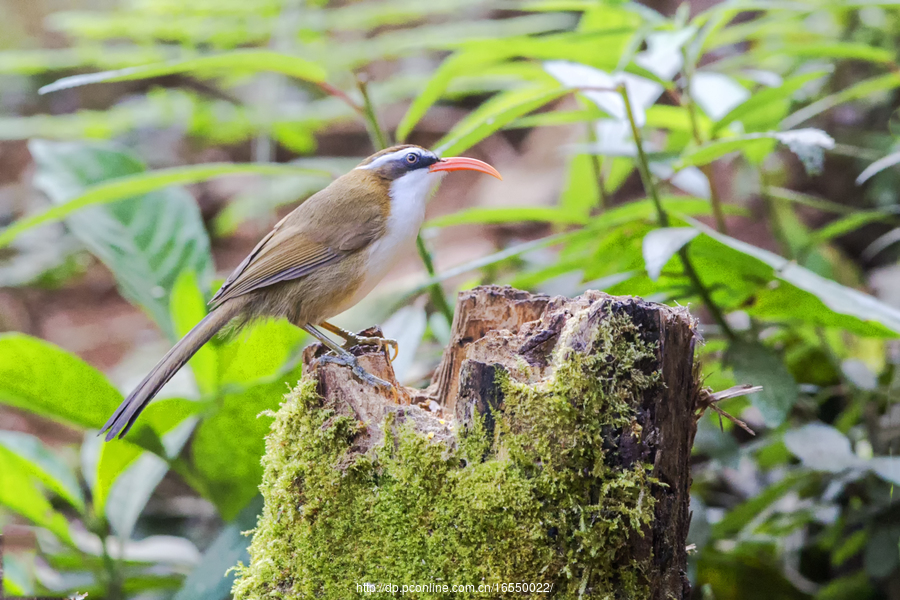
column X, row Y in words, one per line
column 318, row 261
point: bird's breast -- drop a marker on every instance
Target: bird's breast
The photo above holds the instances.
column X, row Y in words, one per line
column 407, row 213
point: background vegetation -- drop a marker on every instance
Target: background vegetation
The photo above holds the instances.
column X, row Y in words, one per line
column 736, row 156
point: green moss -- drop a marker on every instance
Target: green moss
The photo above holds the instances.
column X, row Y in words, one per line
column 537, row 501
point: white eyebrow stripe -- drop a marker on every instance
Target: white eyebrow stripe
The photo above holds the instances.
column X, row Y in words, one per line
column 381, row 160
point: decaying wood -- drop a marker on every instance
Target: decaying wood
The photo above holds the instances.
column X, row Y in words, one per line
column 502, row 328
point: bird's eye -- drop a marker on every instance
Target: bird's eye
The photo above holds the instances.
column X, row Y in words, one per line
column 412, row 158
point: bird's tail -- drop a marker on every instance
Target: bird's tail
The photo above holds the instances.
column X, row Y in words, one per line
column 124, row 417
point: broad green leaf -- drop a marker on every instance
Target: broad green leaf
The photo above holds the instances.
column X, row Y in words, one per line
column 660, row 245
column 237, row 61
column 494, row 115
column 188, row 307
column 761, row 99
column 118, row 455
column 228, row 444
column 801, row 294
column 20, row 493
column 130, row 185
column 45, row 380
column 146, row 241
column 543, row 214
column 123, row 487
column 211, row 579
column 821, row 447
column 45, row 465
column 260, row 351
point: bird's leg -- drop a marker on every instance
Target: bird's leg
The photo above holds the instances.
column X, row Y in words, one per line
column 344, row 358
column 356, row 340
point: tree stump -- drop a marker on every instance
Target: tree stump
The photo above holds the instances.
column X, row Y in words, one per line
column 549, row 457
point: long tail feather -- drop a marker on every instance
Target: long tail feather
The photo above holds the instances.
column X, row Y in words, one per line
column 124, row 417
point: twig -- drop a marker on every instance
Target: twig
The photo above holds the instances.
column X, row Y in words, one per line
column 709, row 399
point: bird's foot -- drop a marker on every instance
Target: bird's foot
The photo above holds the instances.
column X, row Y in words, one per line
column 348, row 360
column 357, row 340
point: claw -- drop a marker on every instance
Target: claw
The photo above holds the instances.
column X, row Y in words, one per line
column 355, row 340
column 348, row 360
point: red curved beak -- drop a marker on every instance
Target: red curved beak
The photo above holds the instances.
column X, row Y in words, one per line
column 461, row 163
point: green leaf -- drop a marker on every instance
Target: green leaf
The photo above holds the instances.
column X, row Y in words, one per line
column 188, row 307
column 840, row 50
column 118, row 455
column 743, row 514
column 128, row 186
column 755, row 364
column 581, row 193
column 542, row 214
column 44, row 464
column 227, row 445
column 45, row 380
column 803, row 142
column 847, row 224
column 146, row 241
column 230, row 63
column 868, row 87
column 660, row 245
column 877, row 167
column 17, row 577
column 125, row 482
column 260, row 351
column 210, row 579
column 19, row 493
column 493, row 115
column 456, row 65
column 799, row 293
column 760, row 100
column 821, row 447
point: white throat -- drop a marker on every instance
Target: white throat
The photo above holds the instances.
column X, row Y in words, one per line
column 409, row 195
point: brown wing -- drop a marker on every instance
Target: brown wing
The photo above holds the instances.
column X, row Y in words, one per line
column 320, row 231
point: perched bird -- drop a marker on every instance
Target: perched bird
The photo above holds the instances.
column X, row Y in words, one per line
column 317, row 262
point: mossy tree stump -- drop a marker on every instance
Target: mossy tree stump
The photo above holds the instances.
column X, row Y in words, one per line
column 551, row 450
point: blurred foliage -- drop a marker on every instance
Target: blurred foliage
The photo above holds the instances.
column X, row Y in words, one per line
column 666, row 105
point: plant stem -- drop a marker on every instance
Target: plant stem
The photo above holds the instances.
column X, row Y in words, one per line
column 376, row 132
column 598, row 171
column 644, row 169
column 643, row 164
column 704, row 294
column 381, row 141
column 688, row 101
column 435, row 290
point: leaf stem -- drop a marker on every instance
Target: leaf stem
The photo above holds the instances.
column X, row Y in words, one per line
column 644, row 169
column 598, row 169
column 435, row 290
column 376, row 132
column 688, row 100
column 643, row 164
